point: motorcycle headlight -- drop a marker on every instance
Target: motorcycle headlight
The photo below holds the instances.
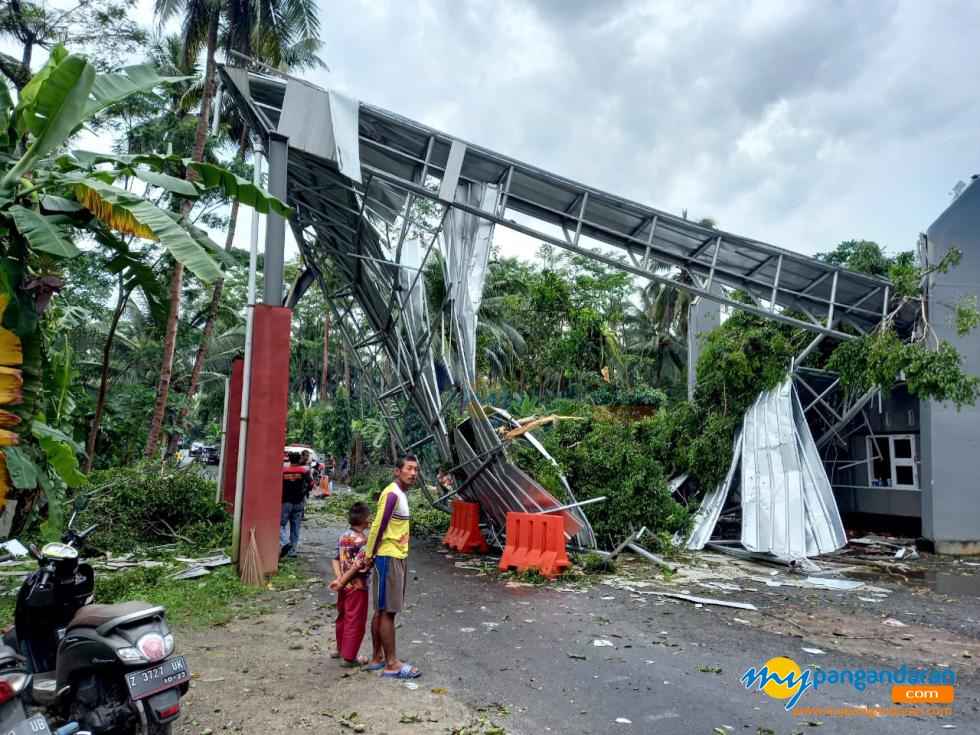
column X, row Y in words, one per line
column 130, row 655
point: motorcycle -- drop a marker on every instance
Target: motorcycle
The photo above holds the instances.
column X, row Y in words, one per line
column 109, row 668
column 16, row 716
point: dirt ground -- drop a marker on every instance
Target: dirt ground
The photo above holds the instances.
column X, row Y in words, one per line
column 272, row 673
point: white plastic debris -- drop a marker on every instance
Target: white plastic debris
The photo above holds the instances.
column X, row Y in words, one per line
column 15, row 548
column 624, row 721
column 603, row 643
column 466, row 630
column 893, row 623
column 816, row 651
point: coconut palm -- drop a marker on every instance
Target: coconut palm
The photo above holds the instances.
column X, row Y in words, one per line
column 281, row 33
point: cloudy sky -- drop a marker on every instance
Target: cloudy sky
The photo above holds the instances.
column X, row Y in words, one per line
column 800, row 124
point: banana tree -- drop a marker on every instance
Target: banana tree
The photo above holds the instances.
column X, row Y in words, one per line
column 50, row 200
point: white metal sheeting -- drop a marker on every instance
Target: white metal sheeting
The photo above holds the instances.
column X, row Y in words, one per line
column 788, row 506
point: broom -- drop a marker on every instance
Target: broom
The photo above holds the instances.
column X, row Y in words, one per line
column 252, row 564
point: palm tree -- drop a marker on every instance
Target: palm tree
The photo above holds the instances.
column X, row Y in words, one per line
column 201, row 18
column 646, row 335
column 502, row 344
column 670, row 309
column 281, row 33
column 46, row 205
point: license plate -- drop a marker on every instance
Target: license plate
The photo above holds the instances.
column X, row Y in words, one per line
column 164, row 675
column 33, row 726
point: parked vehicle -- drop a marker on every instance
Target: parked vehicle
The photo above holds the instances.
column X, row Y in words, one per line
column 17, row 717
column 212, row 454
column 110, row 668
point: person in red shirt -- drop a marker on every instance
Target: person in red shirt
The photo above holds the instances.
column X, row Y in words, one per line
column 297, row 482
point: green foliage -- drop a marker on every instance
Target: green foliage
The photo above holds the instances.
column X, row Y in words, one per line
column 305, row 425
column 370, row 481
column 617, row 393
column 612, row 459
column 145, row 505
column 965, row 317
column 593, row 563
column 426, row 520
column 338, row 425
column 878, row 359
column 745, row 355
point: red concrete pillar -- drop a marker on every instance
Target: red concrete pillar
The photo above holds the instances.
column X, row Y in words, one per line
column 267, row 403
column 233, row 425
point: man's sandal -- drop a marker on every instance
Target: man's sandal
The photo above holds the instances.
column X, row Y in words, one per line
column 407, row 672
column 359, row 661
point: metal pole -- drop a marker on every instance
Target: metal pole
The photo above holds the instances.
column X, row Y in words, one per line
column 275, row 225
column 225, row 418
column 236, row 532
column 571, row 505
column 652, row 557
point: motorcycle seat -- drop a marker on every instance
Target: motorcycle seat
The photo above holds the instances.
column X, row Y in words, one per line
column 95, row 616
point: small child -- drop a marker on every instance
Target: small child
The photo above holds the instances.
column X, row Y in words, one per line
column 351, row 585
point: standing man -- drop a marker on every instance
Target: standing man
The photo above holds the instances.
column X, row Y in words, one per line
column 296, row 485
column 387, row 549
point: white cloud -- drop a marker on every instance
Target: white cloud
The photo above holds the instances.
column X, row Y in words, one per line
column 798, row 124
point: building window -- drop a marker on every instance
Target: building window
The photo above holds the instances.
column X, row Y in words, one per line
column 891, row 462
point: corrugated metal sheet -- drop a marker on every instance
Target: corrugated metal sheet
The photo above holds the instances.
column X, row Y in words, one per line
column 788, row 506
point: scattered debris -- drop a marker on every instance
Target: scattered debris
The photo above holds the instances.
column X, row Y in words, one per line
column 893, row 623
column 14, row 547
column 815, row 651
column 701, row 600
column 601, row 642
column 652, row 557
column 192, row 573
column 624, row 721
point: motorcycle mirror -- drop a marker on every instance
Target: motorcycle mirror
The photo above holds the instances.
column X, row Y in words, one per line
column 80, row 502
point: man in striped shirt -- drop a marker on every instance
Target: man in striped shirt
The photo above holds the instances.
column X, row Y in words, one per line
column 387, row 549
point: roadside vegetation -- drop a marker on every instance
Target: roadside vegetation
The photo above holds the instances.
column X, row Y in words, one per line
column 121, row 315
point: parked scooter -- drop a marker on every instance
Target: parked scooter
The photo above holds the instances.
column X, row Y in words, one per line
column 107, row 667
column 17, row 717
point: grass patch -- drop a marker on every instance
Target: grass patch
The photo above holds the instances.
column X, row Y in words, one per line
column 204, row 602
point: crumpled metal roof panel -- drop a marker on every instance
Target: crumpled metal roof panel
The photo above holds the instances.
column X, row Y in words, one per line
column 787, row 503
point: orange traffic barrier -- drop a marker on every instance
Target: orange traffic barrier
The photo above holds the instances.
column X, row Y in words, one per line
column 464, row 529
column 535, row 541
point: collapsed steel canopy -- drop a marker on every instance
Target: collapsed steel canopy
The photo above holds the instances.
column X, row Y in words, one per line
column 355, row 176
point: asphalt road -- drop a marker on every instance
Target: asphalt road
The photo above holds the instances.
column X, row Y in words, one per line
column 522, row 648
